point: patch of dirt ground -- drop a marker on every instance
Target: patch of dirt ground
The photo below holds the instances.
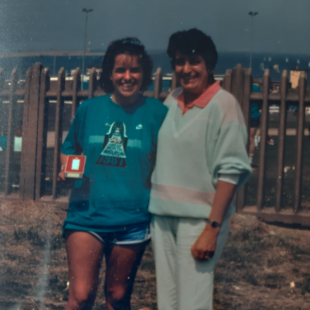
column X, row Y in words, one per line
column 262, row 267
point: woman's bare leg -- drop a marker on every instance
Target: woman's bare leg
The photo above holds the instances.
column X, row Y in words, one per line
column 253, row 131
column 122, row 264
column 84, row 253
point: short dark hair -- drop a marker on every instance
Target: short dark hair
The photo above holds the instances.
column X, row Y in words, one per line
column 192, row 42
column 130, row 46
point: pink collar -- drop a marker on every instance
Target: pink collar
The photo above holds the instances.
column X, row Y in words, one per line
column 202, row 100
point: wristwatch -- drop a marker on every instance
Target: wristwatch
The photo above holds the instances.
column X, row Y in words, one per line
column 214, row 224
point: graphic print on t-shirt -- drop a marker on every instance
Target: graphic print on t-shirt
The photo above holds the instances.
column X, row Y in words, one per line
column 114, row 147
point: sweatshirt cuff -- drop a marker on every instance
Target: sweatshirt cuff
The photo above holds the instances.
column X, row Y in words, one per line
column 230, row 178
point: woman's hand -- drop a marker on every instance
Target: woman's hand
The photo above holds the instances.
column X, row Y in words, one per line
column 63, row 162
column 205, row 245
column 61, row 174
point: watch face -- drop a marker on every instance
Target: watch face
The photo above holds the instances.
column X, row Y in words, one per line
column 215, row 224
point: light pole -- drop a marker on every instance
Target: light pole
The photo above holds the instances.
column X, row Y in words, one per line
column 252, row 14
column 86, row 11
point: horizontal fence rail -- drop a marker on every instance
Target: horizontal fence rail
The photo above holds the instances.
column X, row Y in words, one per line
column 38, row 94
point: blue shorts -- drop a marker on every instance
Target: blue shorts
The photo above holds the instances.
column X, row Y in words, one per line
column 131, row 234
column 254, row 122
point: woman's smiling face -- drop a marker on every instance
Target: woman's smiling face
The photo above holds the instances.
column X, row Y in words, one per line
column 192, row 73
column 127, row 76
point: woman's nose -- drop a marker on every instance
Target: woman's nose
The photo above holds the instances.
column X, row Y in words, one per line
column 187, row 67
column 127, row 75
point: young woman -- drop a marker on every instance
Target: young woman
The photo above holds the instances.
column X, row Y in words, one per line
column 108, row 211
column 201, row 161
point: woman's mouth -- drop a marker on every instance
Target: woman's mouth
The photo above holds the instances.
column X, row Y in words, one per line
column 127, row 85
column 188, row 79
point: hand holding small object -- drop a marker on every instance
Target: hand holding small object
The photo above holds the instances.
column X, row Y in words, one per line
column 61, row 174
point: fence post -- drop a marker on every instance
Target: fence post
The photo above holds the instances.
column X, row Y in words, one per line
column 76, row 88
column 10, row 134
column 58, row 128
column 23, row 166
column 248, row 82
column 2, row 82
column 240, row 202
column 30, row 133
column 42, row 133
column 173, row 84
column 227, row 80
column 92, row 82
column 235, row 82
column 158, row 85
column 263, row 141
column 282, row 131
column 1, row 104
column 300, row 134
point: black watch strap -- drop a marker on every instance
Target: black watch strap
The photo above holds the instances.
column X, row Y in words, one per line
column 213, row 223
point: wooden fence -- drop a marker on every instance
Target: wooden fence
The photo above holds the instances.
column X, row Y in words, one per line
column 38, row 90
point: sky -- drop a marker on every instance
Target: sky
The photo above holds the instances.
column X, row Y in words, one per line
column 281, row 26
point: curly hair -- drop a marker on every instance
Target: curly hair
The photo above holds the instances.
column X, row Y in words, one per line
column 192, row 42
column 130, row 46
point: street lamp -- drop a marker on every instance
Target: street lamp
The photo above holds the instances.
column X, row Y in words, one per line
column 85, row 11
column 252, row 14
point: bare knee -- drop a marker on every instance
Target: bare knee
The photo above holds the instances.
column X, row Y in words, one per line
column 80, row 297
column 118, row 298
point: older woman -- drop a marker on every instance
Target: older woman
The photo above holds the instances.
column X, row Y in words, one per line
column 108, row 211
column 201, row 161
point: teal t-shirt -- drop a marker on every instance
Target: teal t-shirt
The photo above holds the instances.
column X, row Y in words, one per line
column 119, row 143
column 254, row 107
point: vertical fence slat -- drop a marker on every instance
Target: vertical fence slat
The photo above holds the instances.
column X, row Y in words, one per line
column 227, row 80
column 248, row 81
column 263, row 141
column 173, row 84
column 2, row 80
column 237, row 81
column 42, row 133
column 58, row 128
column 300, row 135
column 246, row 112
column 76, row 88
column 10, row 134
column 2, row 83
column 237, row 89
column 29, row 144
column 92, row 82
column 23, row 166
column 281, row 142
column 158, row 84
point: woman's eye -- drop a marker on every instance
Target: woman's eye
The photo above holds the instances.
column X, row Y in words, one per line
column 195, row 61
column 120, row 70
column 135, row 70
column 179, row 61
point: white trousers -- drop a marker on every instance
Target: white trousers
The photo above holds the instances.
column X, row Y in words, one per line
column 182, row 282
